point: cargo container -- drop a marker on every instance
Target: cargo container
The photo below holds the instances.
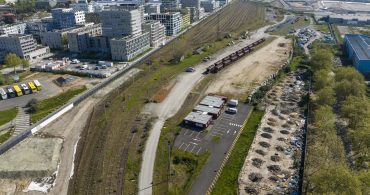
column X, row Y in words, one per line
column 25, row 89
column 18, row 90
column 3, row 94
column 106, row 63
column 38, row 85
column 32, row 87
column 10, row 91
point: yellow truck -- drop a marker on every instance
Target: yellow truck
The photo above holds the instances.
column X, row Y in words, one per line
column 32, row 87
column 17, row 90
column 38, row 85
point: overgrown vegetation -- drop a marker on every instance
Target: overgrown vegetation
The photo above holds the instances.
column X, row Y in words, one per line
column 227, row 183
column 327, row 169
column 7, row 115
column 5, row 136
column 40, row 109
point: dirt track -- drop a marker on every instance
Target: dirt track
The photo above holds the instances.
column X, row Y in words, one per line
column 246, row 73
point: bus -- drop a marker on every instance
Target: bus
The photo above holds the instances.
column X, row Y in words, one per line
column 38, row 85
column 10, row 91
column 17, row 90
column 32, row 87
column 3, row 94
column 25, row 89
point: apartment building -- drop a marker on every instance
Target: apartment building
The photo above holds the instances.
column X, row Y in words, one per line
column 171, row 20
column 129, row 47
column 7, row 29
column 169, row 5
column 185, row 20
column 67, row 18
column 24, row 46
column 190, row 3
column 120, row 22
column 82, row 5
column 79, row 39
column 152, row 8
column 156, row 31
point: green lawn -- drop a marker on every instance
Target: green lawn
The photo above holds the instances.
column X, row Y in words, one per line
column 47, row 106
column 227, row 183
column 7, row 115
column 295, row 62
column 322, row 27
column 5, row 136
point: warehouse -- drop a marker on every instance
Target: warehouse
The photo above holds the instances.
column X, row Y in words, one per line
column 213, row 101
column 198, row 119
column 357, row 48
column 214, row 112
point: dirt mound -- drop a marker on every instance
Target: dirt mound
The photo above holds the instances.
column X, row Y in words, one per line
column 273, row 124
column 266, row 135
column 251, row 190
column 268, row 129
column 274, row 168
column 281, row 139
column 264, row 144
column 275, row 158
column 261, row 152
column 274, row 178
column 257, row 162
column 285, row 132
column 279, row 148
column 271, row 120
column 255, row 177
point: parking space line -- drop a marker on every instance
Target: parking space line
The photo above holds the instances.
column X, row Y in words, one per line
column 181, row 145
column 193, row 143
column 191, row 133
column 197, row 136
column 228, row 131
column 192, row 148
column 199, row 150
column 234, row 132
column 217, row 133
column 186, row 131
column 187, row 147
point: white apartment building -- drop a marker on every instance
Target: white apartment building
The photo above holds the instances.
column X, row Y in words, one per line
column 119, row 22
column 24, row 46
column 7, row 29
column 156, row 31
column 171, row 20
column 67, row 18
column 129, row 47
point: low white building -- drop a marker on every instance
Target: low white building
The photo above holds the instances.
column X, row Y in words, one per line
column 7, row 29
column 157, row 32
column 129, row 47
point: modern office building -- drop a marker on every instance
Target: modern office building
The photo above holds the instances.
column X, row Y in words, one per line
column 93, row 17
column 7, row 29
column 190, row 3
column 169, row 5
column 185, row 18
column 129, row 47
column 82, row 5
column 357, row 48
column 67, row 18
column 171, row 20
column 156, row 31
column 79, row 39
column 209, row 5
column 36, row 27
column 152, row 8
column 120, row 22
column 194, row 14
column 59, row 39
column 24, row 46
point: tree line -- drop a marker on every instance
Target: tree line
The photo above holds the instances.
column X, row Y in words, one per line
column 337, row 93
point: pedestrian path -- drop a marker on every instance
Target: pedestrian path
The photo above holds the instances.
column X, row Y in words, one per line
column 21, row 122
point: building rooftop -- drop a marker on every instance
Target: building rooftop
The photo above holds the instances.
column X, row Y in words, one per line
column 212, row 101
column 198, row 117
column 360, row 44
column 207, row 109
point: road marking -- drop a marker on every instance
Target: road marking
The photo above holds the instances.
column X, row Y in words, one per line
column 217, row 133
column 197, row 135
column 186, row 131
column 191, row 133
column 192, row 148
column 199, row 150
column 236, row 125
column 195, row 139
column 187, row 147
column 234, row 132
column 193, row 143
column 228, row 131
column 181, row 145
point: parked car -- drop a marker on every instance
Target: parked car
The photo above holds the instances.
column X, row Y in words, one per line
column 233, row 103
column 231, row 110
column 75, row 61
column 190, row 69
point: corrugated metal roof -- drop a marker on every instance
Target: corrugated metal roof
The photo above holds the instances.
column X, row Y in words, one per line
column 360, row 45
column 198, row 117
column 207, row 109
column 212, row 101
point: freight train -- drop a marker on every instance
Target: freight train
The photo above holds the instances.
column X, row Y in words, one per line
column 214, row 68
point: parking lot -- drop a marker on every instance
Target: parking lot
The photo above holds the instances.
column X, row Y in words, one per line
column 221, row 132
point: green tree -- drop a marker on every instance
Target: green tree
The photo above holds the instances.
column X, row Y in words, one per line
column 25, row 63
column 323, row 117
column 325, row 97
column 321, row 59
column 65, row 40
column 357, row 110
column 346, row 88
column 334, row 179
column 323, row 78
column 12, row 60
column 33, row 105
column 348, row 73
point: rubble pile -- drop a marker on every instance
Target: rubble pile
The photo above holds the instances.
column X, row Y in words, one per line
column 278, row 142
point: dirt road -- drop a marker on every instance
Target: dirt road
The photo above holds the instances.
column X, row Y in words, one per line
column 246, row 73
column 164, row 110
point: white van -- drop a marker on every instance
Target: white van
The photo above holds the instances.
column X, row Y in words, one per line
column 3, row 94
column 233, row 103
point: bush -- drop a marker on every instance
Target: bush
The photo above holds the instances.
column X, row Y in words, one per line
column 33, row 105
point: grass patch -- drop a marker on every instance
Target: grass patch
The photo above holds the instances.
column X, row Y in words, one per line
column 6, row 136
column 296, row 61
column 227, row 183
column 47, row 106
column 299, row 24
column 7, row 115
column 337, row 34
column 322, row 28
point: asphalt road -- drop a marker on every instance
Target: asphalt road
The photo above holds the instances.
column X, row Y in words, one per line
column 49, row 89
column 226, row 127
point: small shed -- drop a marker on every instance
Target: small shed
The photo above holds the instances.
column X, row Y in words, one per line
column 198, row 119
column 213, row 101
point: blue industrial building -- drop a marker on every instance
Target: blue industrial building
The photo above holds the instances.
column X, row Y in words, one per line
column 357, row 48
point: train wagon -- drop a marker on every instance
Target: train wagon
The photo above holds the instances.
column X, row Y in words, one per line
column 38, row 85
column 25, row 89
column 10, row 92
column 210, row 68
column 3, row 94
column 32, row 87
column 18, row 90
